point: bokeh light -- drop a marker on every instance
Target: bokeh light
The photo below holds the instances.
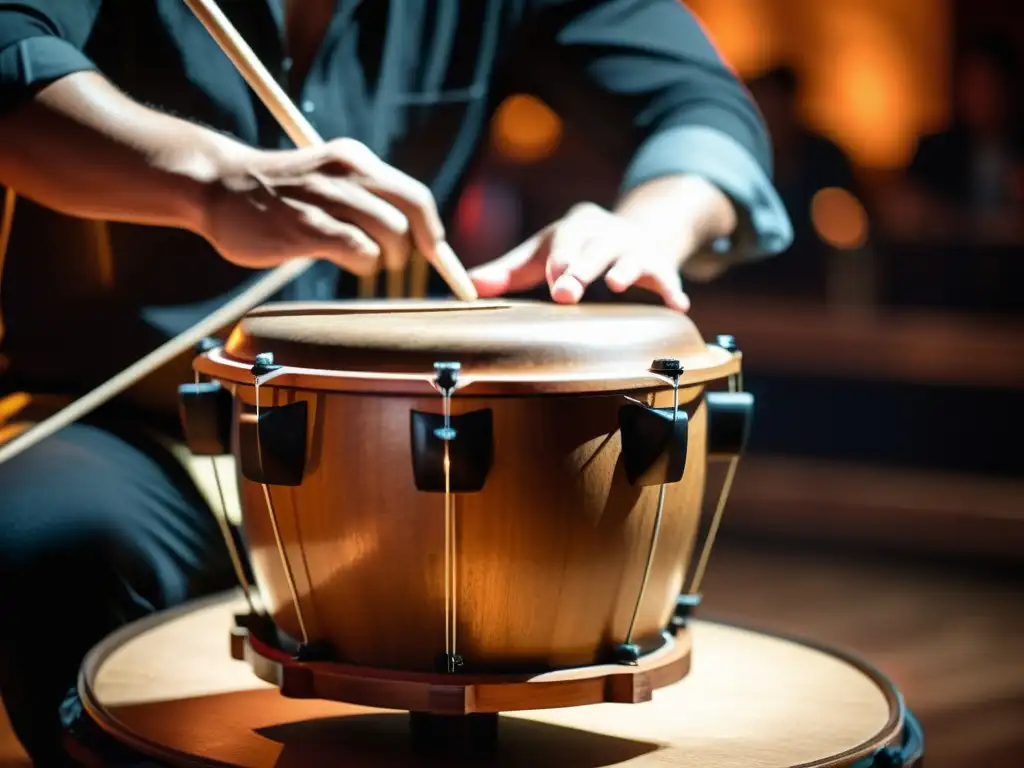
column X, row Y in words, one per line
column 525, row 129
column 839, row 218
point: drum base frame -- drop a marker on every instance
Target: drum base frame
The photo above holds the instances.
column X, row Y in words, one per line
column 438, row 694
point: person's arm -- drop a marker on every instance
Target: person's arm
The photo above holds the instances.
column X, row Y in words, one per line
column 70, row 140
column 83, row 148
column 645, row 79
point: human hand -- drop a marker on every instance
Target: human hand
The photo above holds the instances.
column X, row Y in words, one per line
column 337, row 201
column 577, row 250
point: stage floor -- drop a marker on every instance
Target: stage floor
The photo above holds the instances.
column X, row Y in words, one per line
column 948, row 637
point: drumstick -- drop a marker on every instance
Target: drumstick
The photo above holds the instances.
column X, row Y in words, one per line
column 419, row 274
column 263, row 289
column 224, row 316
column 294, row 124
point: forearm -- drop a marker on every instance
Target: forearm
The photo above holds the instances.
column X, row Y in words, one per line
column 684, row 213
column 83, row 148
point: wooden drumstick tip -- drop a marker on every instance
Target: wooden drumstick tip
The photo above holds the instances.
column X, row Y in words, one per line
column 451, row 269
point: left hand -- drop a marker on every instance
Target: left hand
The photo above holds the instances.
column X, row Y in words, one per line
column 578, row 249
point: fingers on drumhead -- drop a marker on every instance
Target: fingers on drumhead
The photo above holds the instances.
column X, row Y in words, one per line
column 624, row 273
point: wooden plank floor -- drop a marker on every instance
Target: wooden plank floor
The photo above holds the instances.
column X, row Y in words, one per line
column 951, row 639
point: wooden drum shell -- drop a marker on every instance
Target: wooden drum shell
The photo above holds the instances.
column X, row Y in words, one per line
column 550, row 554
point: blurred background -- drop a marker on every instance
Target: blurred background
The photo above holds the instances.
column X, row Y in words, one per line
column 881, row 504
column 880, row 507
column 885, row 347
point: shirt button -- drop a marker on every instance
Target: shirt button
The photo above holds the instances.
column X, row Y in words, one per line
column 286, row 64
column 308, row 107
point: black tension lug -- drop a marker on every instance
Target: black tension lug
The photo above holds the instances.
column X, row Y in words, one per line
column 667, row 366
column 730, row 415
column 207, row 344
column 685, row 606
column 654, row 444
column 625, row 653
column 468, row 438
column 726, row 342
column 276, row 453
column 448, row 663
column 318, row 650
column 260, row 626
column 446, row 376
column 654, row 440
column 204, row 409
column 263, row 364
column 470, row 450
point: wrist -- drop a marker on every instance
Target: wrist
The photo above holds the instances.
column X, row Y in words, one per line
column 684, row 212
column 196, row 168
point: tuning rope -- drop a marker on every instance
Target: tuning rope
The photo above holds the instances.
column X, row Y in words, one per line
column 225, row 530
column 709, row 542
column 656, row 528
column 735, row 385
column 450, row 550
column 289, row 576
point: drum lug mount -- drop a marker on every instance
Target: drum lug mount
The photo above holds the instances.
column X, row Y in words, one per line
column 318, row 650
column 730, row 415
column 686, row 604
column 449, row 662
column 272, row 439
column 205, row 412
column 262, row 628
column 467, row 437
column 654, row 440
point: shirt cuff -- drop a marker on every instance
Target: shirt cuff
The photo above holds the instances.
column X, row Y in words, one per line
column 763, row 229
column 30, row 64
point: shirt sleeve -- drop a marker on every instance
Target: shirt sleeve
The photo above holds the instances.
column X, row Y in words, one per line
column 647, row 70
column 41, row 41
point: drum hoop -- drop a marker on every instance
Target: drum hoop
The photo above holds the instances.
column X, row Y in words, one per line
column 888, row 736
column 97, row 657
column 218, row 365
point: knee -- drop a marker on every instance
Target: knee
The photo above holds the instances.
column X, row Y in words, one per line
column 60, row 529
column 89, row 515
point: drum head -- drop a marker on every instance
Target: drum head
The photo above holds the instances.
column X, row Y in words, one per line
column 493, row 341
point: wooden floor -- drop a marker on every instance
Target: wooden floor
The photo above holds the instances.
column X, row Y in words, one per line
column 951, row 639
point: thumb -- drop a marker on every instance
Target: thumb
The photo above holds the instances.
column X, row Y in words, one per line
column 519, row 269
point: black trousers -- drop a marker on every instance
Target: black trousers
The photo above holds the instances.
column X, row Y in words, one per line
column 99, row 526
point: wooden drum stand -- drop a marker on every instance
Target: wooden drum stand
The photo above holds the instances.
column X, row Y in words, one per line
column 166, row 689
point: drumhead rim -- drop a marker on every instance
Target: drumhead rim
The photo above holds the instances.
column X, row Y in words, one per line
column 219, row 364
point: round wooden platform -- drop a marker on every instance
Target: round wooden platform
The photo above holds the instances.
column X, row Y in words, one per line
column 168, row 688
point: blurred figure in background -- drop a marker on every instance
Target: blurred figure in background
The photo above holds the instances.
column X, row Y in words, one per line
column 970, row 174
column 805, row 162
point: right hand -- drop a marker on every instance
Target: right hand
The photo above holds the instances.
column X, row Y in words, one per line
column 337, row 201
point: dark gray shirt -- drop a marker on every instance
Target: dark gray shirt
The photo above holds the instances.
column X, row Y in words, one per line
column 415, row 80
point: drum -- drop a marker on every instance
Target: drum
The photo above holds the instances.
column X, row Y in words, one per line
column 458, row 508
column 165, row 688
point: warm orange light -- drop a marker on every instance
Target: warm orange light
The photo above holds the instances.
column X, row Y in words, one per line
column 525, row 129
column 874, row 70
column 742, row 31
column 839, row 218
